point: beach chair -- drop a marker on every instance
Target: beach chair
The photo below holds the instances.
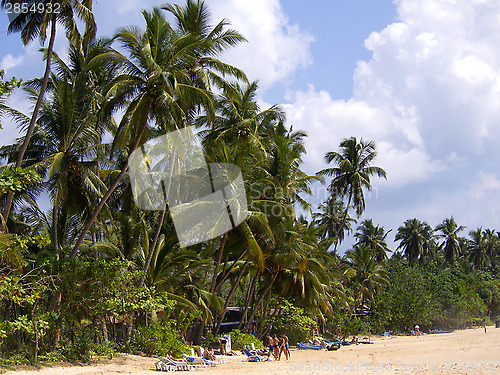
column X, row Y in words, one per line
column 165, row 364
column 199, row 361
column 251, row 357
column 303, row 346
column 365, row 340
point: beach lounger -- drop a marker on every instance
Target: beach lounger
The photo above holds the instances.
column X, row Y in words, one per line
column 199, row 361
column 365, row 340
column 310, row 347
column 165, row 364
column 251, row 357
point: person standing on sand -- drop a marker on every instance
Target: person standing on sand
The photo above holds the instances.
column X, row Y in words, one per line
column 285, row 347
column 417, row 330
column 222, row 344
column 276, row 346
column 270, row 341
column 484, row 325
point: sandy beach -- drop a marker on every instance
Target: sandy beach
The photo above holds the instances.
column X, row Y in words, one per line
column 460, row 352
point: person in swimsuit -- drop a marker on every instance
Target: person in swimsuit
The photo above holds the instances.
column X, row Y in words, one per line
column 276, row 347
column 222, row 343
column 270, row 340
column 285, row 347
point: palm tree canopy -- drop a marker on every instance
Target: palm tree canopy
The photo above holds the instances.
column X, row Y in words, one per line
column 417, row 239
column 448, row 230
column 353, row 170
column 373, row 237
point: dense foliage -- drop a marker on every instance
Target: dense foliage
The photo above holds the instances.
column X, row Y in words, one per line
column 95, row 274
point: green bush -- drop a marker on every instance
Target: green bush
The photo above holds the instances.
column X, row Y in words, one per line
column 51, row 357
column 11, row 362
column 159, row 339
column 240, row 339
column 295, row 322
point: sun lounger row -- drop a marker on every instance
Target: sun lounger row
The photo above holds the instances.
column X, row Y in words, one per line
column 166, row 364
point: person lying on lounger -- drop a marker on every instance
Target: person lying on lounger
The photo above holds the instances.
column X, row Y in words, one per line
column 209, row 354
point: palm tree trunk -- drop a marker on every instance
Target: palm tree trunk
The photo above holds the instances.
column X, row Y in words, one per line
column 217, row 263
column 106, row 196
column 31, row 127
column 228, row 272
column 261, row 298
column 160, row 222
column 248, row 300
column 228, row 299
column 201, row 326
column 55, row 243
column 345, row 217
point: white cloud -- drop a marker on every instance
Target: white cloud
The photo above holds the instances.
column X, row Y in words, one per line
column 275, row 48
column 9, row 62
column 430, row 95
column 484, row 183
column 328, row 121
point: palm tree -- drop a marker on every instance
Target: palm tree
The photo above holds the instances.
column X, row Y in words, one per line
column 35, row 25
column 66, row 141
column 478, row 249
column 373, row 237
column 194, row 18
column 366, row 276
column 352, row 173
column 451, row 245
column 153, row 86
column 239, row 118
column 417, row 240
column 329, row 218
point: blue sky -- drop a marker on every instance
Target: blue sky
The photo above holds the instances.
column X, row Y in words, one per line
column 421, row 78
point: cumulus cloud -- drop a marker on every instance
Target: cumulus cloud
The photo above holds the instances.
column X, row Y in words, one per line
column 9, row 62
column 276, row 48
column 430, row 98
column 431, row 91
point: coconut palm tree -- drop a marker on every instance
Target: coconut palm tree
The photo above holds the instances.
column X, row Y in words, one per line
column 153, row 87
column 66, row 142
column 194, row 18
column 239, row 118
column 351, row 174
column 35, row 25
column 329, row 218
column 448, row 230
column 417, row 240
column 478, row 249
column 366, row 276
column 373, row 237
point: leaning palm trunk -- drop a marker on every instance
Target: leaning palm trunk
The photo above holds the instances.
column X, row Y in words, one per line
column 344, row 218
column 201, row 327
column 261, row 298
column 228, row 299
column 106, row 196
column 160, row 222
column 248, row 300
column 31, row 127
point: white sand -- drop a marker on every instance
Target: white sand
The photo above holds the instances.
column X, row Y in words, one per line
column 461, row 352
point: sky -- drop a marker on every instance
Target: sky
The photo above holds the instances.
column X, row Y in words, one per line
column 420, row 78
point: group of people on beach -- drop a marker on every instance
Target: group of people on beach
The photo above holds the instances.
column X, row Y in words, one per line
column 278, row 345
